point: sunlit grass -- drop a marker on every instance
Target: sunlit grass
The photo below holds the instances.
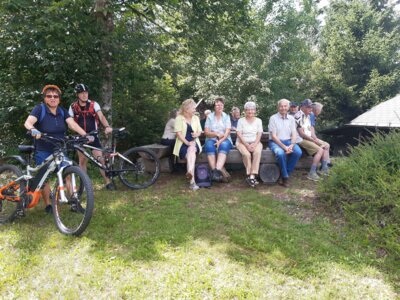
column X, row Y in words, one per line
column 228, row 242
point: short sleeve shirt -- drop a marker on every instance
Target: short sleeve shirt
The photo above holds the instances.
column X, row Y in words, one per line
column 53, row 125
column 282, row 127
column 89, row 123
column 220, row 125
column 303, row 121
column 249, row 130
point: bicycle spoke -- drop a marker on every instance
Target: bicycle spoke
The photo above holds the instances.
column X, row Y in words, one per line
column 140, row 169
column 72, row 215
column 10, row 205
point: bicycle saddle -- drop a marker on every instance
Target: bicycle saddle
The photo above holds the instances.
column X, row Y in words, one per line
column 26, row 148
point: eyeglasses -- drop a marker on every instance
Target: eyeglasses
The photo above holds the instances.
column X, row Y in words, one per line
column 52, row 96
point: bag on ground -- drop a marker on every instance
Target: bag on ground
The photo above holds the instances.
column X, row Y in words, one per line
column 202, row 175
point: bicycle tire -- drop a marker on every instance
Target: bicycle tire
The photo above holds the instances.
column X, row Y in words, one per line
column 144, row 171
column 73, row 217
column 8, row 209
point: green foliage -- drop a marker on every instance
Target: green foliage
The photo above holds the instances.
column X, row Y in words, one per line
column 366, row 187
column 358, row 65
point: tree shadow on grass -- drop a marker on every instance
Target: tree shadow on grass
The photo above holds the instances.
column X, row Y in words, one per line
column 256, row 228
column 136, row 225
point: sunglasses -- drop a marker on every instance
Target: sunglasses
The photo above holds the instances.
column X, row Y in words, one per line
column 52, row 96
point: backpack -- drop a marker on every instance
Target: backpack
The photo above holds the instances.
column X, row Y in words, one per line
column 88, row 112
column 43, row 112
column 202, row 175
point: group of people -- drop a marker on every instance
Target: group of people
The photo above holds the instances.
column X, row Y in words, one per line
column 83, row 116
column 290, row 130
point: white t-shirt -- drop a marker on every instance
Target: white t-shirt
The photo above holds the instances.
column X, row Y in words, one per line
column 169, row 130
column 249, row 130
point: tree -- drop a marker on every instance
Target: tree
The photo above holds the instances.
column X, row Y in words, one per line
column 359, row 62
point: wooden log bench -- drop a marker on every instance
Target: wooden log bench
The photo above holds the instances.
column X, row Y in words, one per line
column 269, row 170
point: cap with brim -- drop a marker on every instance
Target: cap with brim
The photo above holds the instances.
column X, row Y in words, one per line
column 306, row 103
column 293, row 104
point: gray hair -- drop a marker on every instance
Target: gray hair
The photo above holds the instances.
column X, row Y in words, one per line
column 235, row 109
column 250, row 105
column 283, row 101
column 317, row 106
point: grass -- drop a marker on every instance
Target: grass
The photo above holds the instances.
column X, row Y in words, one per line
column 227, row 242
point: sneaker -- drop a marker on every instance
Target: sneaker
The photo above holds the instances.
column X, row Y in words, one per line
column 313, row 176
column 324, row 172
column 48, row 209
column 284, row 181
column 110, row 186
column 193, row 186
column 20, row 213
column 216, row 175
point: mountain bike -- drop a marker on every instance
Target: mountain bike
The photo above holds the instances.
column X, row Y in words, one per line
column 72, row 193
column 137, row 168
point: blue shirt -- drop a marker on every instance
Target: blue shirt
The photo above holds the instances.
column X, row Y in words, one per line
column 312, row 119
column 53, row 125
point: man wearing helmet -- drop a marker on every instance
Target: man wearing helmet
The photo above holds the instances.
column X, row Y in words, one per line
column 88, row 115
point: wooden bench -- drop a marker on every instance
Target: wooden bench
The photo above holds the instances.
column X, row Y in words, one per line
column 269, row 170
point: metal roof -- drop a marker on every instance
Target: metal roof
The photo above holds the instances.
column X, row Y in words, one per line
column 385, row 114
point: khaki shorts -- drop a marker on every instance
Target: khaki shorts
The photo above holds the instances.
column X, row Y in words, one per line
column 310, row 147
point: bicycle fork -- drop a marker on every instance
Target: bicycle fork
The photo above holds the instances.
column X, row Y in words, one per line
column 61, row 187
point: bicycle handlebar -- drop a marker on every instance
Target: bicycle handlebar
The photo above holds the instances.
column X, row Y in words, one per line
column 65, row 141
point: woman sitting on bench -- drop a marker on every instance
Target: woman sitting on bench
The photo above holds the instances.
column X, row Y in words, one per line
column 188, row 130
column 218, row 138
column 249, row 131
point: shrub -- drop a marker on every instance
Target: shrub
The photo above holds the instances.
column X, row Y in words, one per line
column 365, row 186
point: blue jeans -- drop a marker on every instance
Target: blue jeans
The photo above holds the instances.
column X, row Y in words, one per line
column 286, row 162
column 224, row 147
column 41, row 155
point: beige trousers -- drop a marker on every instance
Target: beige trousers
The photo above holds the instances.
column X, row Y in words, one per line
column 251, row 160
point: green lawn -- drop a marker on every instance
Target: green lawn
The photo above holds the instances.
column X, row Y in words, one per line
column 227, row 242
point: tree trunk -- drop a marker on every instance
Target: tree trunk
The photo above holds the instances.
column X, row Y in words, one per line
column 106, row 21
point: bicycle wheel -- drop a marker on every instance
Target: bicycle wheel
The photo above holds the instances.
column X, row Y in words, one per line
column 72, row 217
column 139, row 168
column 9, row 207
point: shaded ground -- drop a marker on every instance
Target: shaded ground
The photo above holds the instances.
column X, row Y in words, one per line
column 301, row 198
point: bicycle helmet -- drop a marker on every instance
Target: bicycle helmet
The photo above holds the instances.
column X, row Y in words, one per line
column 80, row 87
column 52, row 87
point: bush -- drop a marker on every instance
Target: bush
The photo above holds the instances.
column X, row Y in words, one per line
column 366, row 187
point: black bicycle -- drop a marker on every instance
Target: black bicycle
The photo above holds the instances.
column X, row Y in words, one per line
column 137, row 168
column 72, row 193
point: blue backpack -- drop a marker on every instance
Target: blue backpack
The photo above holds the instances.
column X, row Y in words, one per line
column 202, row 175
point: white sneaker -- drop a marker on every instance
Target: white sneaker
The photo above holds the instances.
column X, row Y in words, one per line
column 193, row 186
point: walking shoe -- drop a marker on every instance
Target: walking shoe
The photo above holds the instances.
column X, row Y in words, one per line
column 313, row 176
column 324, row 172
column 216, row 175
column 284, row 181
column 20, row 213
column 193, row 186
column 110, row 186
column 48, row 209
